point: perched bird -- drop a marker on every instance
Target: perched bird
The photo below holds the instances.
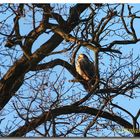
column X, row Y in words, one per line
column 85, row 67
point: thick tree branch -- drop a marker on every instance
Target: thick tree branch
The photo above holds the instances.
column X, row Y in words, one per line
column 64, row 64
column 123, row 21
column 12, row 80
column 122, row 42
column 47, row 116
column 71, row 38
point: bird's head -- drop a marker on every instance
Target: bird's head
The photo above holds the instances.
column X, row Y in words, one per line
column 82, row 56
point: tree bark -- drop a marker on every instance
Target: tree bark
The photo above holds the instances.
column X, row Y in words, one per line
column 47, row 116
column 14, row 78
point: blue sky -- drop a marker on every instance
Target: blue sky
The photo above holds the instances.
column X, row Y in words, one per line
column 131, row 104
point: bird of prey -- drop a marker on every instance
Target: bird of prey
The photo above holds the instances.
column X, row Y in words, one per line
column 85, row 67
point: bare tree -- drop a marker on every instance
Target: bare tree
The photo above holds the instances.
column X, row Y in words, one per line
column 41, row 94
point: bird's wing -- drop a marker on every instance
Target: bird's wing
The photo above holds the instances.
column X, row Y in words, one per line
column 88, row 68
